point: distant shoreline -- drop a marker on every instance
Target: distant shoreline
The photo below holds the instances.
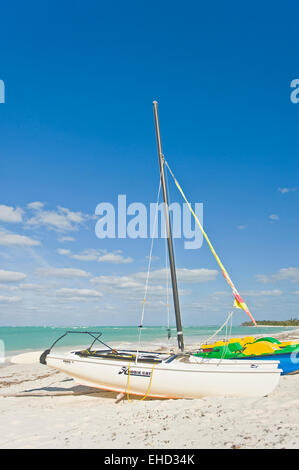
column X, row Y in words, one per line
column 291, row 323
column 273, row 326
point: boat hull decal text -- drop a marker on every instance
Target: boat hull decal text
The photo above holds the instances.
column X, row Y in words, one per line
column 137, row 373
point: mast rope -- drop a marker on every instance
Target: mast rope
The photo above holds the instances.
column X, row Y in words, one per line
column 227, row 335
column 148, row 272
column 228, row 330
column 149, row 386
column 239, row 302
column 210, row 338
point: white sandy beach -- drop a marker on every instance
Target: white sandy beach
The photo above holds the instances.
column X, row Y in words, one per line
column 42, row 408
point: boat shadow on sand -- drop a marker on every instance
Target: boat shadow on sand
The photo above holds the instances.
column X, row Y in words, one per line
column 75, row 390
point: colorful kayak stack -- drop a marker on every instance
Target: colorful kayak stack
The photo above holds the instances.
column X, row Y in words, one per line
column 268, row 348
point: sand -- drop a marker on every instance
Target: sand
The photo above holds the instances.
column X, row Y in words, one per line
column 42, row 408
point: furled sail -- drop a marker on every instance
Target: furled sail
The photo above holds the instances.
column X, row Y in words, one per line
column 239, row 302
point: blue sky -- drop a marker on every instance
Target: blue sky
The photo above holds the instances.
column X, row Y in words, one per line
column 76, row 129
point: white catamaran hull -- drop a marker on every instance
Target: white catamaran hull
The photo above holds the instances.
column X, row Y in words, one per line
column 175, row 379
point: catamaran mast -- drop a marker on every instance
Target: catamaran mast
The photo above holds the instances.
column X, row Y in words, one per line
column 169, row 235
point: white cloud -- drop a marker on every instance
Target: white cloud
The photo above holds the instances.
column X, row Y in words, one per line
column 62, row 251
column 32, row 287
column 120, row 282
column 93, row 255
column 196, row 275
column 11, row 276
column 222, row 294
column 35, row 205
column 284, row 274
column 263, row 278
column 133, row 286
column 291, row 274
column 10, row 214
column 76, row 217
column 287, row 190
column 66, row 239
column 9, row 300
column 242, row 227
column 263, row 293
column 7, row 287
column 13, row 239
column 115, row 258
column 273, row 217
column 60, row 220
column 78, row 293
column 128, row 288
column 87, row 255
column 63, row 272
column 250, row 293
column 183, row 275
column 159, row 275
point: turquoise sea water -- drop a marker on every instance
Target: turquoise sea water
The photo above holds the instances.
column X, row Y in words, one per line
column 30, row 338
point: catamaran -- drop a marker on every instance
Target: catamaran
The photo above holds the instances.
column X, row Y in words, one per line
column 179, row 374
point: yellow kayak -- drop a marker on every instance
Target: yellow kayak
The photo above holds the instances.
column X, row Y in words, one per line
column 251, row 345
